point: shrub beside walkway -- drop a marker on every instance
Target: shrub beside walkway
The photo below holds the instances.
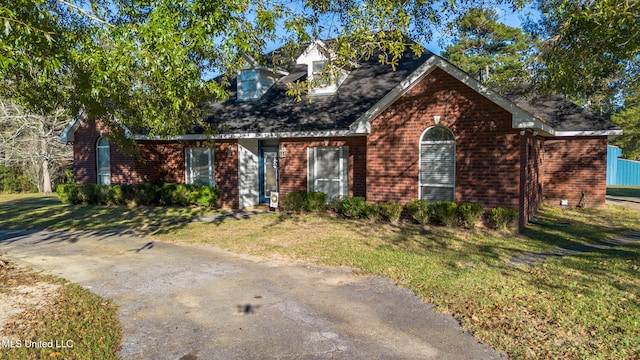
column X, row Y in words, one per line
column 531, row 257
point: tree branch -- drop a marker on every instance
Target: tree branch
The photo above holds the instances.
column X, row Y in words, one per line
column 86, row 13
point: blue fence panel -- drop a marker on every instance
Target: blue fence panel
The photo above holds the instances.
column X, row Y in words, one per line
column 613, row 153
column 628, row 172
column 621, row 172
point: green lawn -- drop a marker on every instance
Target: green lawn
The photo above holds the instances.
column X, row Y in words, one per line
column 624, row 191
column 580, row 307
column 36, row 211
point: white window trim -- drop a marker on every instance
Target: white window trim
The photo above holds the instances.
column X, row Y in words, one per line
column 344, row 180
column 188, row 171
column 100, row 175
column 420, row 143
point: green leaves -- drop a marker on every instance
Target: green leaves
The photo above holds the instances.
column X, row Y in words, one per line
column 497, row 54
column 142, row 64
column 588, row 45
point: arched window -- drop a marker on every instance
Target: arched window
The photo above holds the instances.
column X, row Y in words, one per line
column 437, row 164
column 103, row 162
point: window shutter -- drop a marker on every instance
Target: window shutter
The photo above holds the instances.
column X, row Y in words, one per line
column 311, row 169
column 345, row 171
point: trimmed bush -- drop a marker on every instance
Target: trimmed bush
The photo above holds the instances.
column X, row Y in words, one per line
column 141, row 194
column 203, row 195
column 371, row 211
column 93, row 194
column 419, row 210
column 354, row 207
column 314, row 201
column 146, row 194
column 293, row 201
column 68, row 193
column 174, row 194
column 391, row 211
column 499, row 218
column 469, row 213
column 120, row 194
column 444, row 212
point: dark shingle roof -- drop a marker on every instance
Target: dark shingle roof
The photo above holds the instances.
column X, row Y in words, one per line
column 560, row 113
column 278, row 112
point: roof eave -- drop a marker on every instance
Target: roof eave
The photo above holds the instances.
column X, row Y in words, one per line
column 576, row 133
column 253, row 135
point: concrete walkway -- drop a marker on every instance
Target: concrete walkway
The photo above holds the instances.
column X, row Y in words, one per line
column 188, row 302
column 628, row 202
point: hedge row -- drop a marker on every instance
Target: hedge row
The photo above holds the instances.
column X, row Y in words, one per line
column 140, row 194
column 420, row 211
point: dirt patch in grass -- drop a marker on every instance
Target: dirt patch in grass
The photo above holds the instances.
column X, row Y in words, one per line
column 45, row 317
column 22, row 291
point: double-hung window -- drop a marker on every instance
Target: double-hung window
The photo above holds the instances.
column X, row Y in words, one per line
column 199, row 166
column 103, row 162
column 327, row 169
column 437, row 164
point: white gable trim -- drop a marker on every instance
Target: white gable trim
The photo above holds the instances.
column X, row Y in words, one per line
column 520, row 118
column 68, row 134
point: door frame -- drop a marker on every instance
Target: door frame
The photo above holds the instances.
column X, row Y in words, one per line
column 266, row 146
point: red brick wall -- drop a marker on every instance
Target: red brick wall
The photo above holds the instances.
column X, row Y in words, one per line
column 226, row 172
column 531, row 177
column 487, row 148
column 84, row 155
column 293, row 167
column 573, row 165
column 161, row 161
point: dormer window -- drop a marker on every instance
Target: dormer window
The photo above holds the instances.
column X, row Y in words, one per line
column 318, row 67
column 249, row 81
column 315, row 58
column 248, row 85
column 254, row 82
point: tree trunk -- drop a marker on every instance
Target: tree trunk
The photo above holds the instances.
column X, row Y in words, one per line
column 46, row 177
column 44, row 151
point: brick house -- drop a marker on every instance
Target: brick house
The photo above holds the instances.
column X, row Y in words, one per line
column 426, row 130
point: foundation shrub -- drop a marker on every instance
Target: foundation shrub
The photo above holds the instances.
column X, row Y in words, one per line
column 141, row 194
column 293, row 201
column 314, row 201
column 468, row 213
column 372, row 211
column 499, row 218
column 354, row 207
column 391, row 211
column 419, row 210
column 445, row 213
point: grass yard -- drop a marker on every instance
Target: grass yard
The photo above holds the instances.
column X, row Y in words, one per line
column 576, row 307
column 37, row 211
column 582, row 307
column 624, row 191
column 80, row 324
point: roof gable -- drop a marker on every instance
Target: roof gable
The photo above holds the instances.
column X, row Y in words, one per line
column 566, row 118
column 368, row 90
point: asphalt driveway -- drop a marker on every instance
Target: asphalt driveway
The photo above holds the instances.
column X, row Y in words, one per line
column 192, row 302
